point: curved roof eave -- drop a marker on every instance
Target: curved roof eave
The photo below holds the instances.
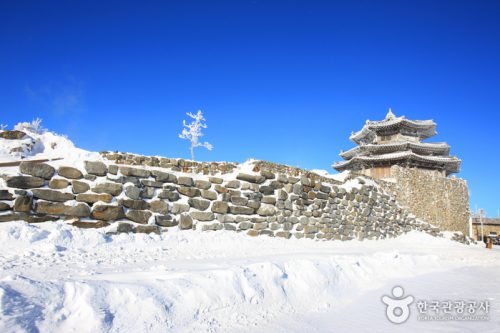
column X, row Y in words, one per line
column 428, row 127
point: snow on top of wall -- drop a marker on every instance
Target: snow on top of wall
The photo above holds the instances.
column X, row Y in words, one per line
column 40, row 144
column 341, row 177
column 43, row 144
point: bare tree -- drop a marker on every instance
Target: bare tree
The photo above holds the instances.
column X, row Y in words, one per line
column 193, row 131
column 34, row 126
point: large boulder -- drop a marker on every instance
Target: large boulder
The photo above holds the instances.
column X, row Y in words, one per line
column 58, row 208
column 79, row 186
column 256, row 179
column 78, row 210
column 266, row 210
column 96, row 168
column 12, row 135
column 220, row 207
column 165, row 221
column 178, row 208
column 186, row 181
column 133, row 192
column 185, row 222
column 215, row 180
column 147, row 229
column 169, row 195
column 139, row 216
column 25, row 182
column 128, row 171
column 110, row 188
column 189, row 191
column 241, row 210
column 52, row 195
column 34, row 169
column 107, row 212
column 210, row 195
column 267, row 174
column 233, row 184
column 69, row 172
column 4, row 206
column 148, row 192
column 239, row 201
column 282, row 195
column 134, row 204
column 46, row 207
column 124, row 228
column 58, row 183
column 164, row 177
column 23, row 203
column 93, row 197
column 203, row 216
column 158, row 206
column 284, row 234
column 200, row 204
column 203, row 184
column 151, row 183
column 266, row 190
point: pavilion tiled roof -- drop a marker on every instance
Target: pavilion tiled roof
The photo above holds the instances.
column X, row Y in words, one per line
column 425, row 128
column 448, row 163
column 440, row 148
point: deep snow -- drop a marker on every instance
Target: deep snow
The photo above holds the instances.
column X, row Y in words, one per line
column 57, row 278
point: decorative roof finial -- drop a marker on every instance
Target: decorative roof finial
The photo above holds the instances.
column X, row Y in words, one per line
column 390, row 115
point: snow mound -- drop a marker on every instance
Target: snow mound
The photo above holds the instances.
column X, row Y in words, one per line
column 39, row 143
column 57, row 278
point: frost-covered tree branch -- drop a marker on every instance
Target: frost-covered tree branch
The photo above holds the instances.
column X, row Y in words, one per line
column 193, row 132
column 34, row 126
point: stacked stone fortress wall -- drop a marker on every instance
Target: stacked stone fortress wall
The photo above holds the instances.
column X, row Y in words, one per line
column 134, row 193
column 442, row 201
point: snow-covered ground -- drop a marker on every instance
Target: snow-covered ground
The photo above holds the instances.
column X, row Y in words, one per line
column 57, row 278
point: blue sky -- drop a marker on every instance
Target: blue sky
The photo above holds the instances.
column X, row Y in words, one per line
column 286, row 81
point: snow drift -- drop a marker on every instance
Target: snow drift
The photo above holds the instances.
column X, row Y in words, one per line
column 56, row 278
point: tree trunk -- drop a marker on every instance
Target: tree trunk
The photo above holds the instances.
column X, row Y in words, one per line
column 192, row 153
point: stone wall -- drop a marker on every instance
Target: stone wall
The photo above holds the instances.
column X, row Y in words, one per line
column 176, row 164
column 155, row 199
column 441, row 201
column 207, row 168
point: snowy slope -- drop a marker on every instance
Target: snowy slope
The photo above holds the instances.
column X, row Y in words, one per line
column 42, row 144
column 56, row 278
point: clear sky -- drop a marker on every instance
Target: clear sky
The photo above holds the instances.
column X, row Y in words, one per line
column 286, row 81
